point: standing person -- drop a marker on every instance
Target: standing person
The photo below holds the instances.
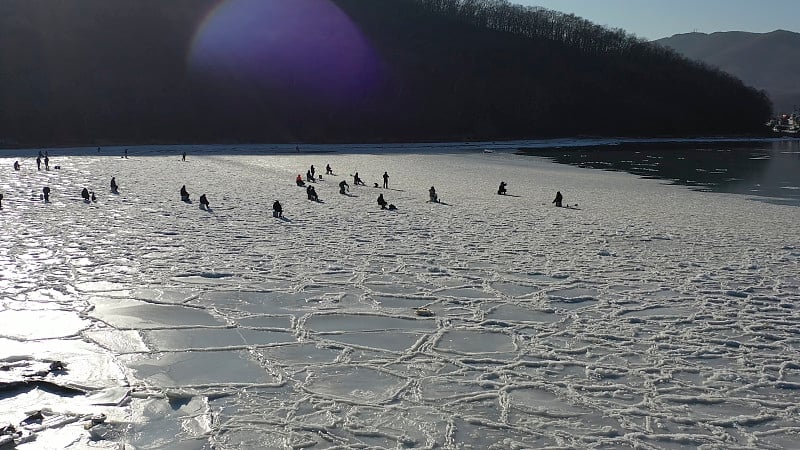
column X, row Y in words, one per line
column 558, row 199
column 502, row 189
column 16, row 165
column 309, row 177
column 342, row 186
column 1, row 201
column 39, row 161
column 46, row 194
column 183, row 156
column 46, row 162
column 126, row 153
column 204, row 202
column 277, row 209
column 114, row 187
column 312, row 171
column 382, row 202
column 385, row 180
column 328, row 170
column 432, row 193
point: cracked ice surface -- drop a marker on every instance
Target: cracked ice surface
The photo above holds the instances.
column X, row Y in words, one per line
column 652, row 317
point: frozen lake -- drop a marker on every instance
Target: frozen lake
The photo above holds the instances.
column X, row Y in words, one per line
column 648, row 316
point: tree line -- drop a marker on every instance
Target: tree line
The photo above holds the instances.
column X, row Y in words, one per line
column 95, row 72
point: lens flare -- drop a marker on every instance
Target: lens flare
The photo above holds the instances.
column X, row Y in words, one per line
column 292, row 47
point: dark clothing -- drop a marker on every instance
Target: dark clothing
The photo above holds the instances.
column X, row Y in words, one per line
column 299, row 180
column 203, row 201
column 328, row 170
column 343, row 186
column 385, row 180
column 357, row 180
column 277, row 209
column 38, row 163
column 432, row 192
column 1, row 200
column 46, row 193
column 309, row 176
column 502, row 189
column 94, row 197
column 114, row 186
column 85, row 194
column 312, row 171
column 558, row 199
column 16, row 165
column 183, row 156
column 46, row 163
column 312, row 193
column 382, row 202
column 184, row 193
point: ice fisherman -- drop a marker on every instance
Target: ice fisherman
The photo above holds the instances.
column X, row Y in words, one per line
column 312, row 193
column 114, row 187
column 183, row 156
column 357, row 180
column 343, row 187
column 1, row 201
column 16, row 165
column 382, row 202
column 434, row 197
column 299, row 180
column 46, row 194
column 277, row 209
column 385, row 180
column 312, row 171
column 204, row 202
column 184, row 194
column 558, row 199
column 39, row 161
column 94, row 197
column 46, row 162
column 502, row 189
column 85, row 195
column 328, row 170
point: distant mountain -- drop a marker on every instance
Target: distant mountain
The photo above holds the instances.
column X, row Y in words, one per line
column 187, row 71
column 768, row 61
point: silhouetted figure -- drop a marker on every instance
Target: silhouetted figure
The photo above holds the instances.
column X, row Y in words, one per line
column 46, row 162
column 382, row 202
column 204, row 202
column 299, row 180
column 312, row 171
column 434, row 197
column 312, row 194
column 1, row 201
column 39, row 161
column 502, row 189
column 184, row 194
column 385, row 180
column 558, row 199
column 277, row 209
column 126, row 154
column 357, row 180
column 114, row 187
column 328, row 170
column 183, row 156
column 46, row 194
column 94, row 197
column 16, row 165
column 392, row 207
column 343, row 187
column 309, row 177
column 85, row 195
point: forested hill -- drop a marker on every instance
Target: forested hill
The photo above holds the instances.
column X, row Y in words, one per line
column 141, row 71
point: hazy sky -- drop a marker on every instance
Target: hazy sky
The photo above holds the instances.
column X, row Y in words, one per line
column 654, row 19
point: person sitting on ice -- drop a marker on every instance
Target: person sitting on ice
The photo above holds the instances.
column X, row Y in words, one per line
column 277, row 209
column 502, row 189
column 558, row 199
column 184, row 194
column 203, row 202
column 114, row 187
column 382, row 202
column 328, row 170
column 392, row 207
column 85, row 195
column 343, row 187
column 310, row 176
column 16, row 165
column 312, row 194
column 434, row 197
column 357, row 180
column 299, row 180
